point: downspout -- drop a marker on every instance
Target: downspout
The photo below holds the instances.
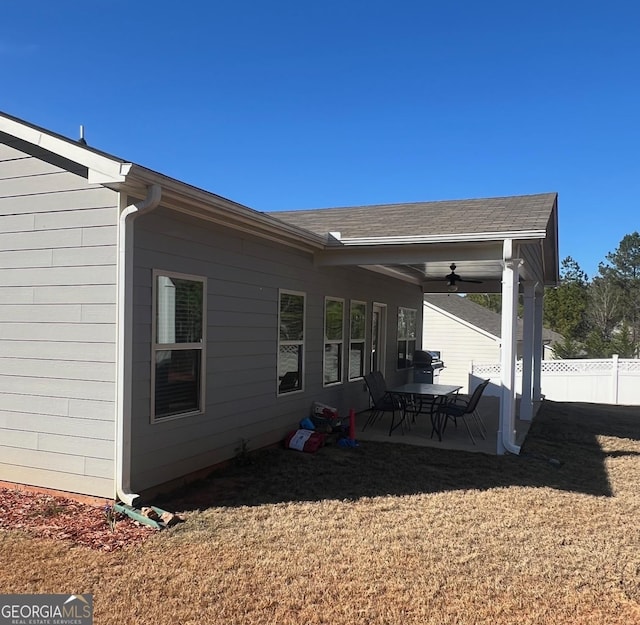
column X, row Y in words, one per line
column 125, row 341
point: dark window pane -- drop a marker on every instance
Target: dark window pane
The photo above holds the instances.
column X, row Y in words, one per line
column 356, row 361
column 402, row 354
column 177, row 382
column 411, row 324
column 291, row 317
column 290, row 368
column 334, row 317
column 411, row 348
column 358, row 321
column 179, row 310
column 332, row 363
column 402, row 323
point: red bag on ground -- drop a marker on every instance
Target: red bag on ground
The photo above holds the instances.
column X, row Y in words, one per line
column 304, row 440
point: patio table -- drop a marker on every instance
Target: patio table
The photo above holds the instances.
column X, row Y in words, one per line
column 435, row 393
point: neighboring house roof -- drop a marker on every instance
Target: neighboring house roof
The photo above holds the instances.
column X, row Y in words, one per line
column 481, row 317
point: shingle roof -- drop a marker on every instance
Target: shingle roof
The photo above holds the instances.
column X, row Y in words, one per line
column 500, row 214
column 479, row 316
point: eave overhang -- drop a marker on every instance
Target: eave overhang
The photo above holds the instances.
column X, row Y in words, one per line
column 201, row 204
column 101, row 168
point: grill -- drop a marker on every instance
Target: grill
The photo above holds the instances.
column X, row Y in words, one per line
column 427, row 366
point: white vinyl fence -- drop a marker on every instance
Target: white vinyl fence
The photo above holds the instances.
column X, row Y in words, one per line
column 603, row 381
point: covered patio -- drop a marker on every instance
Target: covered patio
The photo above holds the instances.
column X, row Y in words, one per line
column 418, row 432
column 506, row 245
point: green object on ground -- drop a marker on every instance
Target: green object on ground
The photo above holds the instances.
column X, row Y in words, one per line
column 137, row 515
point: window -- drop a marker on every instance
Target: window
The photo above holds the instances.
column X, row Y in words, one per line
column 179, row 304
column 333, row 339
column 290, row 341
column 357, row 328
column 406, row 337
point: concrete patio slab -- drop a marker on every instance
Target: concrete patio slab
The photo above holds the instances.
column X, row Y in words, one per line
column 419, row 432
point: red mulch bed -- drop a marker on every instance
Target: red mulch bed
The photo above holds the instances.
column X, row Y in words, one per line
column 48, row 516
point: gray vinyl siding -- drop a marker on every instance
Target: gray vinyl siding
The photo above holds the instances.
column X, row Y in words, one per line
column 57, row 326
column 244, row 275
column 459, row 344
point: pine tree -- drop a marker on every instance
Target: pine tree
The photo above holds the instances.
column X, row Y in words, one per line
column 621, row 271
column 565, row 307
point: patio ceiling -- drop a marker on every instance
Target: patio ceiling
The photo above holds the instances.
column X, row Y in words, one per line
column 418, row 242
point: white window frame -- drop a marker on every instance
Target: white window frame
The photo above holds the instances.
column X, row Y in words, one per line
column 328, row 341
column 407, row 338
column 301, row 343
column 156, row 347
column 358, row 341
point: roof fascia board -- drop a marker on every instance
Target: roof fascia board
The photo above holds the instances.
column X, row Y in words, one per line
column 463, row 322
column 101, row 168
column 550, row 250
column 446, row 238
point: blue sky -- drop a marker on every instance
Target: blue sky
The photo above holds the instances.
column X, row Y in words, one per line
column 285, row 104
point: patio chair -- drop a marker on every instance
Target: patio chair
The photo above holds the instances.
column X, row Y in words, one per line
column 460, row 407
column 289, row 382
column 381, row 400
column 409, row 404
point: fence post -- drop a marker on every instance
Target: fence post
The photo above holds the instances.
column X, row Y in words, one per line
column 614, row 379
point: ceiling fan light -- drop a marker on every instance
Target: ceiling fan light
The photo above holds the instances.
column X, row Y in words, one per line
column 452, row 288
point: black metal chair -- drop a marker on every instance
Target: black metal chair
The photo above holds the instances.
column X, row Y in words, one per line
column 382, row 401
column 289, row 382
column 460, row 407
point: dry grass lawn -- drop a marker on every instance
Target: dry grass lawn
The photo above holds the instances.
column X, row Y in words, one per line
column 383, row 534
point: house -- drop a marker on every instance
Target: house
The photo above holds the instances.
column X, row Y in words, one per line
column 464, row 332
column 148, row 328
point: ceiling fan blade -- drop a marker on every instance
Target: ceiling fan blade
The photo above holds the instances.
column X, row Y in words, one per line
column 453, row 277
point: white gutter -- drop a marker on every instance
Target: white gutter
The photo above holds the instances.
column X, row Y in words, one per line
column 442, row 238
column 125, row 341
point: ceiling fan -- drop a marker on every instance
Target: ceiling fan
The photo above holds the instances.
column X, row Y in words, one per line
column 453, row 278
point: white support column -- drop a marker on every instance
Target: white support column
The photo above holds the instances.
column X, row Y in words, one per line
column 526, row 399
column 510, row 280
column 615, row 373
column 537, row 345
